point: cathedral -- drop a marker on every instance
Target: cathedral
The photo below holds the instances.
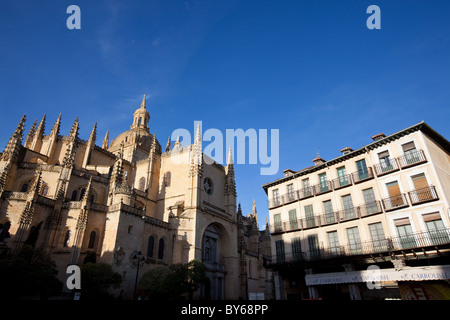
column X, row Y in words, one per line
column 131, row 198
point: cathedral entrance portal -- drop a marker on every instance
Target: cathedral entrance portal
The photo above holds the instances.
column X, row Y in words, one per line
column 215, row 244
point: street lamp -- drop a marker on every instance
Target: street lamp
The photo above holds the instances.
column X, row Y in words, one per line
column 138, row 260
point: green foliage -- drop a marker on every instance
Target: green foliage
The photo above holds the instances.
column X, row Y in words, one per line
column 162, row 283
column 29, row 272
column 96, row 279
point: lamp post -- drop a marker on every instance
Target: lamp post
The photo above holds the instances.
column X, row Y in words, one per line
column 138, row 260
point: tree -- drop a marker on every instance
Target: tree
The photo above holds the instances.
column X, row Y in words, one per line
column 96, row 279
column 195, row 276
column 29, row 272
column 162, row 283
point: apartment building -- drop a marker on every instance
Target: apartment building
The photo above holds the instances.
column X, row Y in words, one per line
column 373, row 223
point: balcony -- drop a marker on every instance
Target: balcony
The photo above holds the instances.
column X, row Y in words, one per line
column 324, row 219
column 395, row 202
column 412, row 158
column 362, row 175
column 342, row 182
column 423, row 195
column 386, row 167
column 322, row 187
column 390, row 245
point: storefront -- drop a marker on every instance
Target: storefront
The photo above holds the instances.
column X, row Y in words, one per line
column 412, row 283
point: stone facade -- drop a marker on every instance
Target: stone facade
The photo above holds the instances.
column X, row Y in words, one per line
column 129, row 196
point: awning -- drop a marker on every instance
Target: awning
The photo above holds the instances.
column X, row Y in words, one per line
column 381, row 275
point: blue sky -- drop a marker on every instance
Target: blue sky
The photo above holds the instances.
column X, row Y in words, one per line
column 310, row 68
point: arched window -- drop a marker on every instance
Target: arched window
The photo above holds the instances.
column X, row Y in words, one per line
column 44, row 189
column 161, row 249
column 25, row 186
column 167, row 178
column 150, row 246
column 67, row 239
column 74, row 195
column 92, row 240
column 142, row 184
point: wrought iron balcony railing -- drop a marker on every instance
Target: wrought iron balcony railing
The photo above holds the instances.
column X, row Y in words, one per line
column 422, row 240
column 423, row 195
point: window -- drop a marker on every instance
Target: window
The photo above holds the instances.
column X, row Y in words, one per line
column 354, row 240
column 363, row 172
column 385, row 162
column 150, row 246
column 323, row 182
column 378, row 238
column 167, row 178
column 276, row 197
column 306, row 188
column 370, row 202
column 411, row 153
column 293, row 219
column 161, row 249
column 92, row 237
column 422, row 192
column 342, row 177
column 436, row 229
column 349, row 210
column 208, row 250
column 333, row 242
column 44, row 189
column 25, row 186
column 279, row 248
column 291, row 194
column 329, row 213
column 74, row 195
column 142, row 184
column 309, row 215
column 67, row 239
column 314, row 248
column 277, row 222
column 296, row 249
column 405, row 233
column 395, row 196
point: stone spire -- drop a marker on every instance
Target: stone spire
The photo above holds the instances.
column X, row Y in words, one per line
column 30, row 135
column 56, row 127
column 15, row 142
column 53, row 137
column 230, row 183
column 69, row 157
column 168, row 145
column 105, row 144
column 90, row 146
column 93, row 135
column 38, row 136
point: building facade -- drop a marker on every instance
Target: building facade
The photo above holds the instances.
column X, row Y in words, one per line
column 372, row 223
column 127, row 199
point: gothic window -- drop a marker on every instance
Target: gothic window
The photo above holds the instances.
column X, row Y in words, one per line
column 74, row 195
column 92, row 240
column 167, row 178
column 142, row 184
column 67, row 239
column 161, row 249
column 25, row 186
column 44, row 189
column 150, row 246
column 208, row 251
